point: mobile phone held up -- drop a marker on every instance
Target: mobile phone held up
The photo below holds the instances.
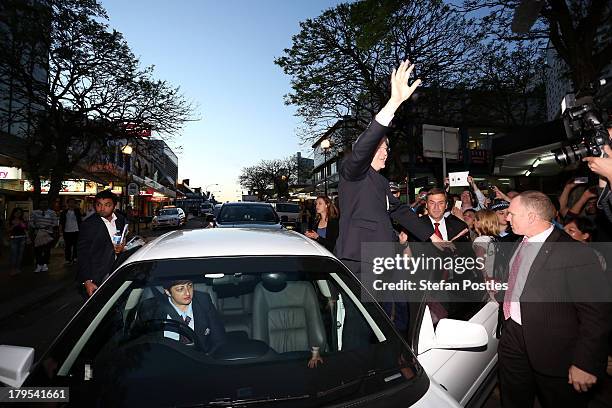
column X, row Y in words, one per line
column 581, row 180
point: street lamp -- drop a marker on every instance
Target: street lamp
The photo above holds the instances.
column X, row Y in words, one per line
column 127, row 151
column 325, row 145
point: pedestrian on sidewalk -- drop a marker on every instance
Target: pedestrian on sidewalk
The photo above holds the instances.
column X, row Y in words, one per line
column 18, row 234
column 44, row 223
column 97, row 254
column 70, row 221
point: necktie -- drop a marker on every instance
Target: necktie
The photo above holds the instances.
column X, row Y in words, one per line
column 184, row 339
column 437, row 230
column 514, row 269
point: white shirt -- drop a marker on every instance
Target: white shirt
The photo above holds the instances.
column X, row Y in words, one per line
column 441, row 227
column 71, row 222
column 528, row 255
column 188, row 312
column 111, row 226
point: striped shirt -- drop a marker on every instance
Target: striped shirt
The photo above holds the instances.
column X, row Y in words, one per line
column 44, row 220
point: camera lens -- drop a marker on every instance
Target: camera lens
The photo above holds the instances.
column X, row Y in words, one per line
column 569, row 154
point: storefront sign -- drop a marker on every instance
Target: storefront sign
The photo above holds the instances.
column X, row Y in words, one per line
column 68, row 186
column 10, row 173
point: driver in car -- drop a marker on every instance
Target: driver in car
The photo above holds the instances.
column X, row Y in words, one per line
column 195, row 309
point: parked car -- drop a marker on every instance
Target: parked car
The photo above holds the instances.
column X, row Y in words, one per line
column 206, row 208
column 169, row 217
column 278, row 295
column 289, row 214
column 217, row 209
column 247, row 214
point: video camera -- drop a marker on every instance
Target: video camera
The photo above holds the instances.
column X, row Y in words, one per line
column 584, row 123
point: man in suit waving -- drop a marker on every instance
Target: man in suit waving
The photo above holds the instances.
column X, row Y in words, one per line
column 556, row 318
column 366, row 202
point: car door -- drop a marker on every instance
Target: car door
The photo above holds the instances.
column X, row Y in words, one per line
column 461, row 371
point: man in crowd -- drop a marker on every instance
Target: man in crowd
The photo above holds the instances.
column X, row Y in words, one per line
column 366, row 202
column 70, row 219
column 445, row 228
column 193, row 308
column 45, row 224
column 554, row 341
column 97, row 254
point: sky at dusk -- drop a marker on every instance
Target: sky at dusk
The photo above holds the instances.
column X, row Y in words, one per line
column 221, row 54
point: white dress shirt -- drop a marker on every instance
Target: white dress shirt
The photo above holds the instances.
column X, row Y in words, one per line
column 188, row 312
column 111, row 226
column 529, row 251
column 441, row 227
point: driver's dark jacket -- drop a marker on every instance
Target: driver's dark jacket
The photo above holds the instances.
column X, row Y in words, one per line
column 207, row 323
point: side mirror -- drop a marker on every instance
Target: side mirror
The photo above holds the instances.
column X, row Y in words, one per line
column 453, row 334
column 15, row 364
column 450, row 334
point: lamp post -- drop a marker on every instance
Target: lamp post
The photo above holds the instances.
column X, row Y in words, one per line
column 206, row 188
column 325, row 145
column 127, row 151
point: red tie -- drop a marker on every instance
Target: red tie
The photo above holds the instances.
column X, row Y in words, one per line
column 437, row 230
column 512, row 279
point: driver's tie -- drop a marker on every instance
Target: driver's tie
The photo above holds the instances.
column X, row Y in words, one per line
column 185, row 339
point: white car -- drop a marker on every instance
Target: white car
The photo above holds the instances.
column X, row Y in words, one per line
column 169, row 217
column 280, row 297
column 289, row 213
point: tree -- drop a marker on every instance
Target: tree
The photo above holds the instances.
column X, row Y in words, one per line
column 77, row 86
column 340, row 62
column 571, row 26
column 270, row 177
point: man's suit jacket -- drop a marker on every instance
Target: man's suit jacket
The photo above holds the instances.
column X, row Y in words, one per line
column 454, row 226
column 206, row 320
column 95, row 248
column 559, row 334
column 366, row 203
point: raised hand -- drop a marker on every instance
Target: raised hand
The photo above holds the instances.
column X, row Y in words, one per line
column 400, row 88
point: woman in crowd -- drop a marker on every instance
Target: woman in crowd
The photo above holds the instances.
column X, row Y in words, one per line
column 325, row 229
column 17, row 231
column 487, row 227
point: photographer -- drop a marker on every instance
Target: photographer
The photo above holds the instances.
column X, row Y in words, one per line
column 603, row 167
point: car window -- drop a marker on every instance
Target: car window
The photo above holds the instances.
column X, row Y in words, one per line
column 289, row 208
column 173, row 211
column 247, row 214
column 272, row 311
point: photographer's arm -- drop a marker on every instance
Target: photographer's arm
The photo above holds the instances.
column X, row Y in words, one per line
column 564, row 198
column 578, row 205
column 500, row 194
column 479, row 195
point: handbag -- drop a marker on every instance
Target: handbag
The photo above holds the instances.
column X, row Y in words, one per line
column 42, row 238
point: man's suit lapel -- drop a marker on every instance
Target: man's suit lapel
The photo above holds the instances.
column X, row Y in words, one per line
column 542, row 257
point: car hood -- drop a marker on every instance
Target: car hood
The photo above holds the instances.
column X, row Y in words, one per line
column 249, row 225
column 166, row 217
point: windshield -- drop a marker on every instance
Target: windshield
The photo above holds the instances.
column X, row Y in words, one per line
column 247, row 214
column 289, row 208
column 253, row 325
column 171, row 211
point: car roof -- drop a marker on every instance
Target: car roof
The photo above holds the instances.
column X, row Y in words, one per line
column 211, row 242
column 248, row 203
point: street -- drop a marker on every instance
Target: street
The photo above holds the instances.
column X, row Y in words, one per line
column 35, row 307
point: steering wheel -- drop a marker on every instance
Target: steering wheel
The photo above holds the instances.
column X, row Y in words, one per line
column 174, row 326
